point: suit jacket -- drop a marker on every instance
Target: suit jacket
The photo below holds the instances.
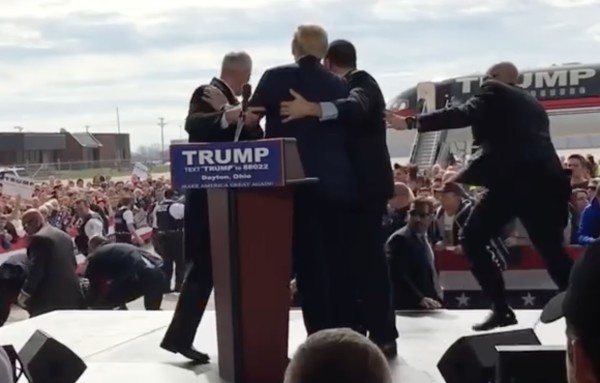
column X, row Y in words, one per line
column 512, row 129
column 410, row 270
column 203, row 124
column 322, row 145
column 52, row 282
column 362, row 113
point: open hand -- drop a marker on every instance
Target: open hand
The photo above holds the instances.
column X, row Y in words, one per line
column 430, row 304
column 297, row 108
column 393, row 121
column 214, row 97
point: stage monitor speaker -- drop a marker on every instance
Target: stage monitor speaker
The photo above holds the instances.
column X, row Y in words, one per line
column 46, row 360
column 531, row 364
column 471, row 359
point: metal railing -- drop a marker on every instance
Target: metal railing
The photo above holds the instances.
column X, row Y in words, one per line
column 84, row 169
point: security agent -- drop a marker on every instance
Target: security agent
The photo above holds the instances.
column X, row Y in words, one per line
column 168, row 237
column 91, row 225
column 515, row 161
column 119, row 273
column 362, row 115
column 125, row 224
column 580, row 307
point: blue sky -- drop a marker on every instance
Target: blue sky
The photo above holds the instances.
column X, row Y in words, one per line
column 70, row 63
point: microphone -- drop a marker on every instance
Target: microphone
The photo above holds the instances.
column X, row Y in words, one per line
column 246, row 93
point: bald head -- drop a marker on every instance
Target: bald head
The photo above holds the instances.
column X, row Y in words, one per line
column 32, row 220
column 505, row 72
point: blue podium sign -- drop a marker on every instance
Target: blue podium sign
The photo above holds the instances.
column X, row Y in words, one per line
column 218, row 165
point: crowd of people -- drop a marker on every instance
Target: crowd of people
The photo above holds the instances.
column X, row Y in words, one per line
column 57, row 200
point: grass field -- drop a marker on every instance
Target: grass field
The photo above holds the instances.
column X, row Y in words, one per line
column 91, row 173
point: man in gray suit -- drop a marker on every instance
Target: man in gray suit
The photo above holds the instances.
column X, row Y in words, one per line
column 52, row 283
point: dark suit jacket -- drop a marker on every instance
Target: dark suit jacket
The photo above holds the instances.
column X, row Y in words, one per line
column 52, row 282
column 362, row 113
column 322, row 145
column 203, row 124
column 114, row 263
column 512, row 129
column 410, row 271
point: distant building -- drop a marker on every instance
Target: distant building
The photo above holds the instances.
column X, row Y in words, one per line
column 80, row 150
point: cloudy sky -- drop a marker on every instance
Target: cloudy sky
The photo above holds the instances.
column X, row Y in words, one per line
column 70, row 63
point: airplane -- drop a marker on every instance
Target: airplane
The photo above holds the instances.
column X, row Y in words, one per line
column 569, row 92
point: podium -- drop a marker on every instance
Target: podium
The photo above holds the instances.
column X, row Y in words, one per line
column 250, row 187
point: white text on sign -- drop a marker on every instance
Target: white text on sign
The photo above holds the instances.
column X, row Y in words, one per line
column 225, row 156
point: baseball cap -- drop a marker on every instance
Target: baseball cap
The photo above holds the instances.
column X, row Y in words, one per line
column 580, row 304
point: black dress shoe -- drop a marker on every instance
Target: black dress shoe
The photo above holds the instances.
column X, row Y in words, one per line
column 191, row 353
column 496, row 319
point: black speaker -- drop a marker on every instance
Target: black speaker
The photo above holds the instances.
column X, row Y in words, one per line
column 46, row 360
column 471, row 359
column 531, row 364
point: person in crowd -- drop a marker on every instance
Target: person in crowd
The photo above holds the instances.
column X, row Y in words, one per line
column 52, row 283
column 168, row 238
column 579, row 201
column 324, row 212
column 451, row 217
column 593, row 187
column 90, row 225
column 124, row 223
column 515, row 161
column 206, row 122
column 589, row 226
column 412, row 264
column 593, row 166
column 362, row 113
column 580, row 307
column 13, row 273
column 397, row 211
column 580, row 171
column 119, row 273
column 338, row 355
column 401, row 174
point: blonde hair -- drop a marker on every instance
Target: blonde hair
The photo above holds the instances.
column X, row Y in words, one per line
column 310, row 40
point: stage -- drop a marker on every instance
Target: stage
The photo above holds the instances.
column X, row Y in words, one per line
column 122, row 346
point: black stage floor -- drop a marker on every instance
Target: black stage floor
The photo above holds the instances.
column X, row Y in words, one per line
column 122, row 346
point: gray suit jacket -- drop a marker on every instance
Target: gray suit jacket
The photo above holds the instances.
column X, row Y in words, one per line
column 52, row 283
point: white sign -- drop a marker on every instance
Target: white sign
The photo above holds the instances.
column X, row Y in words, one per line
column 17, row 186
column 140, row 170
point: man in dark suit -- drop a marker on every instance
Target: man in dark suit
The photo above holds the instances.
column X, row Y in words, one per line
column 361, row 114
column 321, row 209
column 119, row 273
column 205, row 123
column 52, row 283
column 13, row 273
column 518, row 165
column 412, row 264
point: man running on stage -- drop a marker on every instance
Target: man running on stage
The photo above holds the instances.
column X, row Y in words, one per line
column 516, row 161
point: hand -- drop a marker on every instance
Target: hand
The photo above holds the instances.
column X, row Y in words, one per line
column 439, row 246
column 458, row 249
column 510, row 241
column 297, row 108
column 293, row 289
column 252, row 119
column 22, row 299
column 214, row 97
column 393, row 121
column 233, row 114
column 430, row 304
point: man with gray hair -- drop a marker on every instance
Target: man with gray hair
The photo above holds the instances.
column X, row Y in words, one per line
column 207, row 121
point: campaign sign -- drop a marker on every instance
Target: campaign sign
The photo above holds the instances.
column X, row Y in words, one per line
column 245, row 164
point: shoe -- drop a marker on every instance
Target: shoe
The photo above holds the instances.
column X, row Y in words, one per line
column 389, row 349
column 191, row 353
column 496, row 319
